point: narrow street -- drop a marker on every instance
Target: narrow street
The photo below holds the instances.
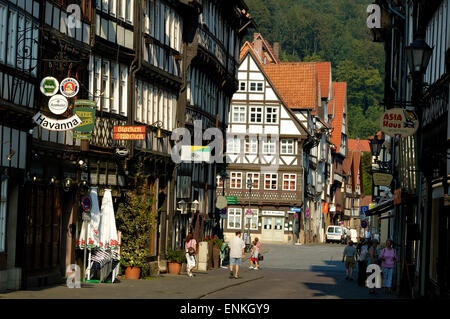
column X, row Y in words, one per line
column 288, row 272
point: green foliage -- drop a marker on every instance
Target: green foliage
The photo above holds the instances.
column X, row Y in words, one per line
column 135, row 219
column 330, row 30
column 177, row 256
column 367, row 172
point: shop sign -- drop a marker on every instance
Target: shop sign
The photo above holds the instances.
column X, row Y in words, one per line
column 296, row 209
column 325, row 208
column 231, row 199
column 399, row 122
column 58, row 104
column 136, row 132
column 382, row 179
column 195, row 153
column 56, row 125
column 69, row 87
column 49, row 86
column 272, row 213
column 85, row 109
column 221, row 202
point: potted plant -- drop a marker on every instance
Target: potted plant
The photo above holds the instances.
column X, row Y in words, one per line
column 175, row 261
column 135, row 219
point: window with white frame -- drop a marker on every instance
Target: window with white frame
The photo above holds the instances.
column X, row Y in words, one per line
column 269, row 146
column 287, row 146
column 234, row 145
column 236, row 180
column 234, row 218
column 251, row 145
column 254, row 178
column 242, row 86
column 129, row 11
column 271, row 181
column 272, row 115
column 3, row 207
column 256, row 114
column 219, row 181
column 253, row 219
column 105, row 86
column 256, row 87
column 239, row 114
column 289, row 182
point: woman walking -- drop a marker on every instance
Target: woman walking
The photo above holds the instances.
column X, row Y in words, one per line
column 362, row 263
column 373, row 259
column 190, row 247
column 388, row 257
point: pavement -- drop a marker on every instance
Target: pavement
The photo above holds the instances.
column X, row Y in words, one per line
column 287, row 272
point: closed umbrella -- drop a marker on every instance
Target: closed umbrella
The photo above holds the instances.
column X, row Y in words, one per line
column 108, row 230
column 90, row 238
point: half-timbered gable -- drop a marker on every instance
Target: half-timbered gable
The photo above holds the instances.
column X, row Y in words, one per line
column 264, row 147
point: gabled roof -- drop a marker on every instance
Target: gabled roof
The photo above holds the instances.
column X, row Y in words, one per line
column 247, row 45
column 324, row 75
column 358, row 145
column 352, row 167
column 296, row 82
column 250, row 51
column 340, row 91
column 268, row 47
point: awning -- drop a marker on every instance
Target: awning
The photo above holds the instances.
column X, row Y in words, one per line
column 381, row 208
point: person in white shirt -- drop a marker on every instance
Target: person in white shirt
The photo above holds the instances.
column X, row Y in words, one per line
column 237, row 252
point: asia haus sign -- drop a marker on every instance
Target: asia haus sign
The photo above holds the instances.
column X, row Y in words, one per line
column 399, row 122
column 56, row 125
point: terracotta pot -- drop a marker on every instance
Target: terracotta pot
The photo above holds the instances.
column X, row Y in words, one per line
column 216, row 256
column 174, row 268
column 132, row 272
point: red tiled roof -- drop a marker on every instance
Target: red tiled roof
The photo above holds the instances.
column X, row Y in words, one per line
column 358, row 145
column 296, row 82
column 324, row 74
column 269, row 49
column 352, row 166
column 244, row 49
column 340, row 91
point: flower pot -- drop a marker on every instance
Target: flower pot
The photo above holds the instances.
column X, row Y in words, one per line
column 132, row 272
column 174, row 268
column 216, row 256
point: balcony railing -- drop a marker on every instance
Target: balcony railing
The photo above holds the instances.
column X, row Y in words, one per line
column 261, row 195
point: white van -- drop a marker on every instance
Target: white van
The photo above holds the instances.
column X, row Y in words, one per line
column 335, row 234
column 353, row 234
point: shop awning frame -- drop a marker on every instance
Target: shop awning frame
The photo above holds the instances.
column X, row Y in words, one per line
column 381, row 208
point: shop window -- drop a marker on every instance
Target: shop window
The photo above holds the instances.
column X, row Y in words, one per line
column 234, row 219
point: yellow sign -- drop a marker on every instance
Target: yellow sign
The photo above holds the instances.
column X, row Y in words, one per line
column 382, row 179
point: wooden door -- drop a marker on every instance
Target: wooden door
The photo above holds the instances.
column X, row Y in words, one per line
column 278, row 229
column 267, row 231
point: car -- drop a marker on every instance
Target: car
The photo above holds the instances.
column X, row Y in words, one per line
column 335, row 234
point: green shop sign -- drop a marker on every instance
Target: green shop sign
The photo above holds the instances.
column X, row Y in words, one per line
column 85, row 109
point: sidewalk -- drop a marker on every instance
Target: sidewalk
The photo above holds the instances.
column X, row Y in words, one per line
column 164, row 287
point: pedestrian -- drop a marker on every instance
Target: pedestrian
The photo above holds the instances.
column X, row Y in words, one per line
column 237, row 253
column 254, row 256
column 358, row 247
column 362, row 263
column 388, row 256
column 367, row 234
column 260, row 256
column 349, row 255
column 373, row 259
column 190, row 248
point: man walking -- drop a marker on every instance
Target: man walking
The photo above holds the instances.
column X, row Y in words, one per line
column 237, row 251
column 349, row 255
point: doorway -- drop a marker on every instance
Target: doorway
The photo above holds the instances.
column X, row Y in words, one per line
column 272, row 230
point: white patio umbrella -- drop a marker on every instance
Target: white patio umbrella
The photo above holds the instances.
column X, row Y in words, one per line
column 91, row 238
column 108, row 230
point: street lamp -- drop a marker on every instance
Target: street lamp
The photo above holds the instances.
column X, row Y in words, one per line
column 418, row 54
column 182, row 205
column 375, row 145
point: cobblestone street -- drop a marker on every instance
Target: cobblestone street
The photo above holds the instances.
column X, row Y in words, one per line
column 288, row 272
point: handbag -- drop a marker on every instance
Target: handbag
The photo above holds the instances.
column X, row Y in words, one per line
column 260, row 257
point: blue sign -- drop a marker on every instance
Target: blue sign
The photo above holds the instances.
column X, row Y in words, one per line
column 307, row 215
column 296, row 209
column 364, row 209
column 363, row 224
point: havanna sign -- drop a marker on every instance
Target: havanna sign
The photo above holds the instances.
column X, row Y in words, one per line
column 85, row 110
column 56, row 125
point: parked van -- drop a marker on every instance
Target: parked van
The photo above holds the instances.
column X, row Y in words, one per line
column 335, row 234
column 353, row 234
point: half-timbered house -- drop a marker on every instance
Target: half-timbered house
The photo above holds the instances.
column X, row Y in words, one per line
column 19, row 50
column 264, row 155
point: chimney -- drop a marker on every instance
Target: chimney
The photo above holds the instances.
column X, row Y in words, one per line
column 257, row 46
column 276, row 49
